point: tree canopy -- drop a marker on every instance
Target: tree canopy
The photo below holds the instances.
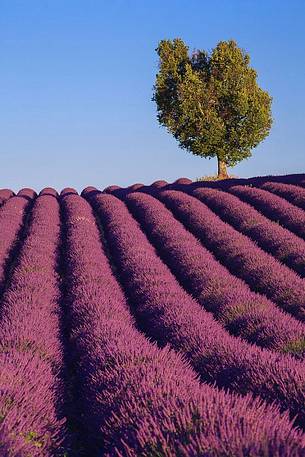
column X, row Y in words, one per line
column 211, row 102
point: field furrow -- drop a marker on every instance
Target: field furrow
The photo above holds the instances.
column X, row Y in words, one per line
column 166, row 313
column 30, row 349
column 233, row 304
column 239, row 254
column 270, row 236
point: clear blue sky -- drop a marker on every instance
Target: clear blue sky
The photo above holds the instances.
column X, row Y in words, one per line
column 76, row 81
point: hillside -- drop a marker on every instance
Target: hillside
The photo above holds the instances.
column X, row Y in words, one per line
column 155, row 320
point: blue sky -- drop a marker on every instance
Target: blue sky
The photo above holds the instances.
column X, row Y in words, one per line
column 76, row 81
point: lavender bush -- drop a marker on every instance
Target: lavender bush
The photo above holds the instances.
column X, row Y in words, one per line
column 5, row 194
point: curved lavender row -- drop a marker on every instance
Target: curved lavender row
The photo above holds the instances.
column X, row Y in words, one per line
column 5, row 194
column 28, row 193
column 89, row 189
column 165, row 408
column 109, row 189
column 165, row 312
column 12, row 215
column 274, row 207
column 30, row 351
column 294, row 194
column 231, row 301
column 158, row 184
column 49, row 191
column 238, row 253
column 135, row 187
column 276, row 240
column 182, row 181
column 68, row 191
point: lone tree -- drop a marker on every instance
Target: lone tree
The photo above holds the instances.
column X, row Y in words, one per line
column 211, row 103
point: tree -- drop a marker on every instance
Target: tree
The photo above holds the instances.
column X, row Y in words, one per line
column 211, row 103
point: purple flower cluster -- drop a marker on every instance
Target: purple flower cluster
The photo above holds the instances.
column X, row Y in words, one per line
column 134, row 398
column 238, row 253
column 294, row 194
column 276, row 240
column 274, row 207
column 30, row 349
column 166, row 313
column 231, row 301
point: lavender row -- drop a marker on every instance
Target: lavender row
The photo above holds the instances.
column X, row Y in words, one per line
column 238, row 253
column 5, row 194
column 276, row 240
column 133, row 398
column 274, row 207
column 166, row 313
column 12, row 215
column 231, row 301
column 30, row 349
column 294, row 194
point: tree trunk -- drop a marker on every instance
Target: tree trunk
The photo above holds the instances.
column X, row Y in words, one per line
column 222, row 169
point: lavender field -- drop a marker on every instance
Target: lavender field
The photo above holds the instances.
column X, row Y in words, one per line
column 162, row 320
